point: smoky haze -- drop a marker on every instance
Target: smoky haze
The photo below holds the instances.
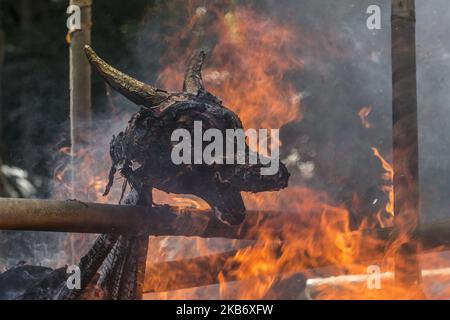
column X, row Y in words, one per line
column 346, row 67
column 433, row 62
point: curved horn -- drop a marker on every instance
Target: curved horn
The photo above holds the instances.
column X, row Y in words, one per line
column 193, row 81
column 138, row 92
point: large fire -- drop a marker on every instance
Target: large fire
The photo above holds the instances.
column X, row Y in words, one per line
column 249, row 64
column 248, row 67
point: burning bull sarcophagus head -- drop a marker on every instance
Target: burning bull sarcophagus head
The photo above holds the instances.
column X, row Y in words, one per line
column 150, row 154
column 165, row 145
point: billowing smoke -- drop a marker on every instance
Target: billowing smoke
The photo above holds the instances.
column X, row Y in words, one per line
column 345, row 67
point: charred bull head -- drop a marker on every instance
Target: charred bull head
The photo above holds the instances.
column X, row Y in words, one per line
column 142, row 153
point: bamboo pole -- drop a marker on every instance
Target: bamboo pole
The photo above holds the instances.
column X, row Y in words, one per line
column 80, row 217
column 68, row 216
column 80, row 82
column 405, row 138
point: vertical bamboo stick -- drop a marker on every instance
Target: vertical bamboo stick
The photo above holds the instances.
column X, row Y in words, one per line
column 405, row 139
column 80, row 81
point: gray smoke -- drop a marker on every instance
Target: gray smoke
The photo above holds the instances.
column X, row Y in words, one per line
column 347, row 67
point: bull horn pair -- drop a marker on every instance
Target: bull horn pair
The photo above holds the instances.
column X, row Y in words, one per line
column 141, row 93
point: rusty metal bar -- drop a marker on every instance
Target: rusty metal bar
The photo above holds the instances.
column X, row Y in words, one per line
column 69, row 216
column 80, row 217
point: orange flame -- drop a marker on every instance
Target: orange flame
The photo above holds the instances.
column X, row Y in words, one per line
column 364, row 115
column 249, row 67
column 389, row 177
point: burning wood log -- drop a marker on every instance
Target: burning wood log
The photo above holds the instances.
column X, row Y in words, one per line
column 89, row 265
column 125, row 267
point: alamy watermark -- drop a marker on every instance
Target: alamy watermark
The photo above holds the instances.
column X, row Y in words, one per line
column 234, row 143
column 374, row 19
column 74, row 20
column 374, row 278
column 74, row 280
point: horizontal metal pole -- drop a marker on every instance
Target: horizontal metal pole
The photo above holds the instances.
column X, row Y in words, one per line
column 70, row 216
column 80, row 217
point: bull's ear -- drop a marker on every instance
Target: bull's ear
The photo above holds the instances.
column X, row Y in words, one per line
column 138, row 92
column 193, row 81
